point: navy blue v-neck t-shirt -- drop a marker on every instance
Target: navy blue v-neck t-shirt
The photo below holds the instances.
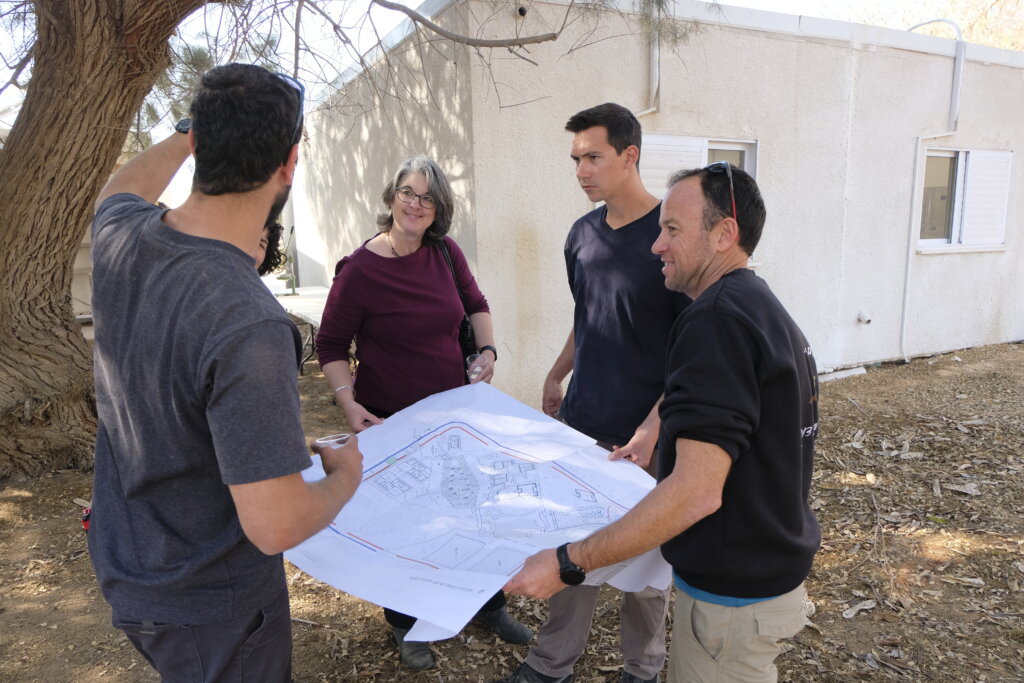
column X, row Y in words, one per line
column 621, row 323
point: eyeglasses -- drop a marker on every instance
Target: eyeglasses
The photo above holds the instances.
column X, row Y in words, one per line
column 726, row 168
column 301, row 89
column 406, row 194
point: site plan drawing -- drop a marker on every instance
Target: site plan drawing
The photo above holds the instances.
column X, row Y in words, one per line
column 457, row 491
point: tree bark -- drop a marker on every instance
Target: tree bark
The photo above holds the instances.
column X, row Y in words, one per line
column 94, row 62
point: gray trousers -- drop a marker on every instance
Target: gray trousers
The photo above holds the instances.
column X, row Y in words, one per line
column 255, row 648
column 563, row 637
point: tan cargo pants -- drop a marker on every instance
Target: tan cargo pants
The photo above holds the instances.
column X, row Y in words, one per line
column 716, row 644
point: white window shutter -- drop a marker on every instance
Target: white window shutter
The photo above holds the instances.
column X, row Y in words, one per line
column 663, row 155
column 986, row 193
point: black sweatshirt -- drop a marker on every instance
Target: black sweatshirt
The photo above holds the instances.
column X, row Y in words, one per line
column 740, row 375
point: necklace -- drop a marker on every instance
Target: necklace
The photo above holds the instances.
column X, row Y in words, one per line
column 387, row 236
column 391, row 244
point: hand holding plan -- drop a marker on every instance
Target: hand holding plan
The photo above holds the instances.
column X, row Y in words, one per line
column 345, row 457
column 538, row 578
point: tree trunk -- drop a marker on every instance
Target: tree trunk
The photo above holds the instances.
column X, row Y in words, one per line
column 94, row 62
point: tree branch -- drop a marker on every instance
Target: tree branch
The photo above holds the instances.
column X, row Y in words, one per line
column 458, row 38
column 340, row 33
column 298, row 19
column 18, row 69
column 20, row 7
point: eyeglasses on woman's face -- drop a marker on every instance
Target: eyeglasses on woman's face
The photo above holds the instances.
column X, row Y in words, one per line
column 406, row 195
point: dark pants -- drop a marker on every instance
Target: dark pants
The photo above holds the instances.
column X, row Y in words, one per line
column 404, row 621
column 399, row 620
column 256, row 647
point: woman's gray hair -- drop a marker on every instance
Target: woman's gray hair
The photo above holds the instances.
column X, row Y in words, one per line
column 437, row 187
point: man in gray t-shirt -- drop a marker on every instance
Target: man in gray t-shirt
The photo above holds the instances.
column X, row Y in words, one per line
column 199, row 448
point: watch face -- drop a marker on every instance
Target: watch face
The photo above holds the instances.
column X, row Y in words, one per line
column 573, row 576
column 570, row 573
column 183, row 126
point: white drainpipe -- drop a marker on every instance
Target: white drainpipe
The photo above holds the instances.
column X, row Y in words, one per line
column 653, row 78
column 915, row 205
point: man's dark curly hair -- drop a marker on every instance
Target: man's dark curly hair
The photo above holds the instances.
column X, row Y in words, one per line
column 244, row 121
column 275, row 258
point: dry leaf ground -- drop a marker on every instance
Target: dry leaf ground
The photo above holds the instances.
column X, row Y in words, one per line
column 919, row 488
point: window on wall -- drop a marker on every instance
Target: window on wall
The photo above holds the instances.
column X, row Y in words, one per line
column 739, row 154
column 964, row 198
column 663, row 155
column 940, row 186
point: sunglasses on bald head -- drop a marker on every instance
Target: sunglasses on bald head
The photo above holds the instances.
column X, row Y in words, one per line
column 726, row 168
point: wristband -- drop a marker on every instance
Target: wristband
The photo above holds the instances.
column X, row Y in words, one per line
column 490, row 348
column 343, row 387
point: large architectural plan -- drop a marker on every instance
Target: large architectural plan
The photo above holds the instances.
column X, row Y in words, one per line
column 458, row 490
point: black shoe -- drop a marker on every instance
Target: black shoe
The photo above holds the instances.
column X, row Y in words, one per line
column 504, row 626
column 527, row 674
column 633, row 678
column 415, row 655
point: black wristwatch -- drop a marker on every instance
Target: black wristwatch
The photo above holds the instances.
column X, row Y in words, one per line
column 183, row 126
column 570, row 573
column 490, row 348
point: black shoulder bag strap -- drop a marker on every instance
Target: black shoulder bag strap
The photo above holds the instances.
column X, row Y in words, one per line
column 451, row 269
column 467, row 338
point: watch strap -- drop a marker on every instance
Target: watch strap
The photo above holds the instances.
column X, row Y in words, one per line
column 569, row 572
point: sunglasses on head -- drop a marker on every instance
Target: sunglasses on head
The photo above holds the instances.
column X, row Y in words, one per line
column 301, row 89
column 726, row 168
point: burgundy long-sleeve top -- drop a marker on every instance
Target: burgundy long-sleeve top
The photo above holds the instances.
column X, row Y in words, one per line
column 404, row 314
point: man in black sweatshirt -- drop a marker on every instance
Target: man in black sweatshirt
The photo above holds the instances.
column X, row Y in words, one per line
column 736, row 446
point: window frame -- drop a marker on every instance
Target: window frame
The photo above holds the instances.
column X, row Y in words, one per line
column 748, row 147
column 956, row 215
column 959, row 241
column 695, row 147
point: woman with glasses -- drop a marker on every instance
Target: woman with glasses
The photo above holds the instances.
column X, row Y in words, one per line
column 397, row 297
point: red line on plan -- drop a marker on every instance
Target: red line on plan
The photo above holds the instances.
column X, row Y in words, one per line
column 572, row 478
column 403, row 557
column 364, row 540
column 455, row 427
column 519, row 457
column 592, row 490
column 424, row 444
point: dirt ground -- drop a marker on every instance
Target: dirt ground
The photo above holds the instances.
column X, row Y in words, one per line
column 919, row 487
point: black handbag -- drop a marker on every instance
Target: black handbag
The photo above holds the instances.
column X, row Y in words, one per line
column 467, row 338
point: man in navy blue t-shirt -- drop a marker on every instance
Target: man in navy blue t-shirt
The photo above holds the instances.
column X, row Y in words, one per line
column 616, row 353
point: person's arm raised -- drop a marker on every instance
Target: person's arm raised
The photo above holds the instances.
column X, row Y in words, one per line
column 149, row 172
column 278, row 514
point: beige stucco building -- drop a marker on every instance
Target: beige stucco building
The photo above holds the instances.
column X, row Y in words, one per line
column 889, row 235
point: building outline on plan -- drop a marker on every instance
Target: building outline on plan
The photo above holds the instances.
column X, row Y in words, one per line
column 454, row 498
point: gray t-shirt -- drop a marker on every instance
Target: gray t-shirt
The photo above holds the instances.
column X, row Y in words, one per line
column 196, row 389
